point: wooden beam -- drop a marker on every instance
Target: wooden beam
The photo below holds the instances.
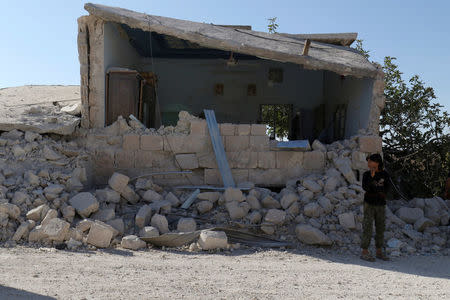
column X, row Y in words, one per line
column 306, row 47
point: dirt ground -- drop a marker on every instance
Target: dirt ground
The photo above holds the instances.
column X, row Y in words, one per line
column 47, row 273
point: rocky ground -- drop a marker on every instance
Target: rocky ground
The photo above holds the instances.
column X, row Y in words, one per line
column 308, row 273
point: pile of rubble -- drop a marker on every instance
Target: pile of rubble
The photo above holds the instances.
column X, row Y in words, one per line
column 43, row 201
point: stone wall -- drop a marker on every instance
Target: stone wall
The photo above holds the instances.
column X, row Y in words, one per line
column 251, row 155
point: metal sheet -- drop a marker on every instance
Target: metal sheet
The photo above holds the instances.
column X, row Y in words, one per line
column 190, row 200
column 216, row 141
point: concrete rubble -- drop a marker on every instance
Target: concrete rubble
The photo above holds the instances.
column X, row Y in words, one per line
column 47, row 197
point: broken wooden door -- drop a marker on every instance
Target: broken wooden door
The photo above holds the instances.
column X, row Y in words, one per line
column 122, row 97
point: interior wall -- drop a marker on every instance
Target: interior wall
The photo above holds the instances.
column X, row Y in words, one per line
column 356, row 93
column 188, row 84
column 118, row 51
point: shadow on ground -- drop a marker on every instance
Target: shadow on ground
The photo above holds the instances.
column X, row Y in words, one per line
column 10, row 293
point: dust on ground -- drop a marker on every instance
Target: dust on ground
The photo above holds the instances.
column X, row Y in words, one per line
column 47, row 273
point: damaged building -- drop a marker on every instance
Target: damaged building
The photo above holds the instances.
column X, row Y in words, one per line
column 266, row 90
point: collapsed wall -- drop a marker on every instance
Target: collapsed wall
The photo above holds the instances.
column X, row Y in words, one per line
column 45, row 197
column 251, row 155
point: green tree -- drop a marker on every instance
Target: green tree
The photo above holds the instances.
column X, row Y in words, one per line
column 415, row 132
column 273, row 25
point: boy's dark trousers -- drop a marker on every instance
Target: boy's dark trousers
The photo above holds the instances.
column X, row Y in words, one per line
column 373, row 213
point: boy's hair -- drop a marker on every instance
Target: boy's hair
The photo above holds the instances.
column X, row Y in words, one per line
column 376, row 158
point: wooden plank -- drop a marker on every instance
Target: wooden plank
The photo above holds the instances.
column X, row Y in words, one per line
column 191, row 199
column 306, row 47
column 219, row 150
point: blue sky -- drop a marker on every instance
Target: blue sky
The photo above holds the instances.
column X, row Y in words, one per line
column 38, row 38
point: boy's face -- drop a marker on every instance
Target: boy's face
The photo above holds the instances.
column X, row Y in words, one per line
column 373, row 166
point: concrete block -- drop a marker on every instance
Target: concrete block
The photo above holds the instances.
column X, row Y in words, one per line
column 187, row 161
column 259, row 143
column 210, row 240
column 237, row 143
column 267, row 160
column 186, row 225
column 314, row 160
column 289, row 159
column 212, row 176
column 258, row 129
column 204, row 206
column 152, row 142
column 100, row 234
column 108, row 195
column 144, row 159
column 131, row 141
column 242, row 160
column 179, row 144
column 118, row 182
column 132, row 242
column 227, row 129
column 370, row 144
column 55, row 230
column 84, row 203
column 148, row 232
column 268, row 176
column 207, row 160
column 243, row 129
column 347, row 220
column 160, row 222
column 275, row 216
column 164, row 161
column 104, row 158
column 124, row 159
column 199, row 127
column 312, row 236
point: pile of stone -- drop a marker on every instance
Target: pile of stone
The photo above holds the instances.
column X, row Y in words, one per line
column 43, row 201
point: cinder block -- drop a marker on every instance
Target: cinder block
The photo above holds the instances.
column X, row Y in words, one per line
column 104, row 157
column 152, row 142
column 289, row 159
column 259, row 143
column 143, row 159
column 131, row 141
column 258, row 129
column 268, row 177
column 243, row 129
column 237, row 143
column 242, row 159
column 124, row 159
column 213, row 177
column 199, row 127
column 164, row 161
column 187, row 161
column 180, row 144
column 370, row 144
column 227, row 129
column 267, row 160
column 314, row 160
column 207, row 160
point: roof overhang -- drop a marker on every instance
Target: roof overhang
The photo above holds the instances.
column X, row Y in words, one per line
column 285, row 48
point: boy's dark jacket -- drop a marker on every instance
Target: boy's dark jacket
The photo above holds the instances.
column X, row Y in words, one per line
column 376, row 187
